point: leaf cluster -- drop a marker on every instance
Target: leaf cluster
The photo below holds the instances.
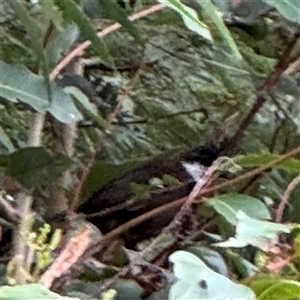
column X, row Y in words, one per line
column 188, row 73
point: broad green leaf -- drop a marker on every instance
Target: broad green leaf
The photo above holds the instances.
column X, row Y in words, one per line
column 60, row 43
column 5, row 140
column 260, row 234
column 53, row 12
column 210, row 257
column 224, row 6
column 89, row 107
column 271, row 287
column 19, row 84
column 290, row 9
column 189, row 17
column 34, row 167
column 76, row 14
column 114, row 12
column 228, row 206
column 210, row 12
column 34, row 33
column 262, row 281
column 290, row 165
column 196, row 281
column 32, row 291
column 141, row 191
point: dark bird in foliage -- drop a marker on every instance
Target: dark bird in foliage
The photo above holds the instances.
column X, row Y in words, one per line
column 107, row 208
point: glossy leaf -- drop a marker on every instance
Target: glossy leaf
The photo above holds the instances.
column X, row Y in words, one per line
column 269, row 287
column 76, row 14
column 228, row 206
column 290, row 165
column 189, row 17
column 196, row 281
column 211, row 13
column 290, row 9
column 19, row 84
column 34, row 33
column 53, row 12
column 89, row 107
column 34, row 167
column 60, row 43
column 114, row 12
column 261, row 234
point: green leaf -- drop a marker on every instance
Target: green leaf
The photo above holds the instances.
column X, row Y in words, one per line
column 53, row 12
column 290, row 9
column 103, row 172
column 29, row 291
column 60, row 43
column 210, row 257
column 114, row 12
column 290, row 165
column 5, row 140
column 269, row 287
column 76, row 14
column 19, row 83
column 89, row 107
column 169, row 180
column 211, row 14
column 196, row 281
column 228, row 206
column 189, row 17
column 34, row 33
column 260, row 234
column 34, row 167
column 141, row 191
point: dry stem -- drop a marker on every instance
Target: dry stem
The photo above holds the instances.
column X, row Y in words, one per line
column 285, row 198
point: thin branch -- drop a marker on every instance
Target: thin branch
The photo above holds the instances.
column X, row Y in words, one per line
column 159, row 210
column 35, row 133
column 36, row 128
column 20, row 246
column 265, row 90
column 92, row 250
column 285, row 198
column 187, row 206
column 81, row 47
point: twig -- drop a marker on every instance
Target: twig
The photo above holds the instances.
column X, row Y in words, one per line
column 24, row 207
column 285, row 198
column 187, row 206
column 132, row 223
column 71, row 252
column 254, row 172
column 38, row 119
column 265, row 90
column 92, row 250
column 36, row 129
column 81, row 47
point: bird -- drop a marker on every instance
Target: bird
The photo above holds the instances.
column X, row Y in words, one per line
column 111, row 206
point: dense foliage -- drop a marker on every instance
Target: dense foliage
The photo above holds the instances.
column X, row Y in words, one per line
column 96, row 120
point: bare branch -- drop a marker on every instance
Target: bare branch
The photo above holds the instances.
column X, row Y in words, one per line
column 285, row 198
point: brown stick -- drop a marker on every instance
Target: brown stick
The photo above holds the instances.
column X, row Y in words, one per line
column 285, row 198
column 81, row 47
column 265, row 90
